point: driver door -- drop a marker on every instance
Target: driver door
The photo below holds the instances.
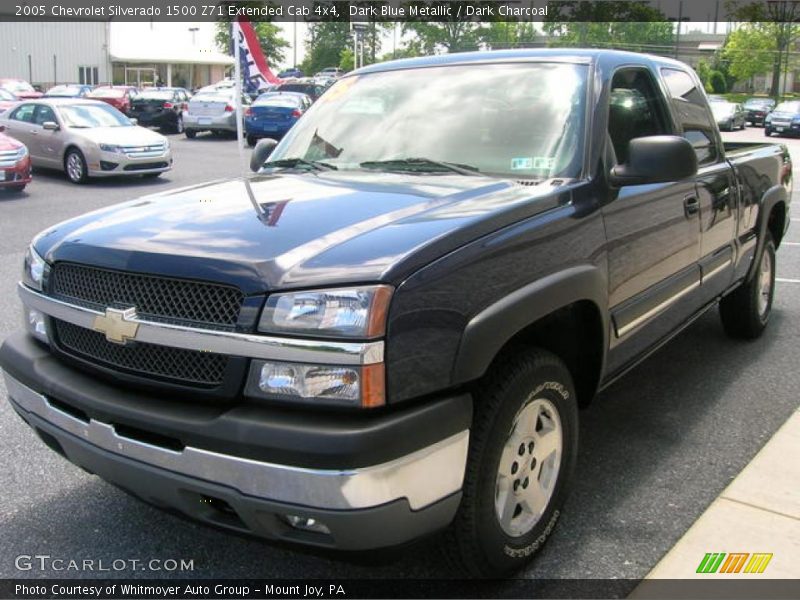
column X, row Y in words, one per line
column 48, row 143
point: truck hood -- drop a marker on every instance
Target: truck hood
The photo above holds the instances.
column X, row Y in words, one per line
column 308, row 229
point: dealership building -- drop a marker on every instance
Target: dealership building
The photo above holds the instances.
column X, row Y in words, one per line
column 96, row 52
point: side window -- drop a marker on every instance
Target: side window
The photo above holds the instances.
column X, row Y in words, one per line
column 634, row 110
column 693, row 113
column 24, row 113
column 44, row 114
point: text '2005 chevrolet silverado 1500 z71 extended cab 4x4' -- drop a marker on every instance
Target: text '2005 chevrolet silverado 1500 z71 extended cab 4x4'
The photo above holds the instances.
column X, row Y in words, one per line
column 389, row 329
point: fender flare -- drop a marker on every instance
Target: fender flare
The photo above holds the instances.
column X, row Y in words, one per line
column 489, row 330
column 774, row 195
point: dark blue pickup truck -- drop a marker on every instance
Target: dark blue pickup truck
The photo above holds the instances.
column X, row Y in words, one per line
column 388, row 330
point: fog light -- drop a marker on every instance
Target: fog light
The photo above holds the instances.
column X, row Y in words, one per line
column 306, row 524
column 36, row 324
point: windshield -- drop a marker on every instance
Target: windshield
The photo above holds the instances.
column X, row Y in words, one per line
column 156, row 95
column 721, row 108
column 756, row 102
column 791, row 107
column 87, row 116
column 288, row 100
column 18, row 86
column 64, row 90
column 515, row 120
column 218, row 96
column 6, row 95
column 107, row 93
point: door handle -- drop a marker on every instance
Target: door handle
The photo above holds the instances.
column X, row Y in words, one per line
column 691, row 206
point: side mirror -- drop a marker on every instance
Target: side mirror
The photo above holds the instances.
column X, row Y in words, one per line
column 655, row 159
column 261, row 153
column 134, row 121
column 50, row 126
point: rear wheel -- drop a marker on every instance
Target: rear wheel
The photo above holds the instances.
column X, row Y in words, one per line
column 746, row 311
column 251, row 140
column 767, row 131
column 75, row 166
column 179, row 124
column 190, row 133
column 522, row 454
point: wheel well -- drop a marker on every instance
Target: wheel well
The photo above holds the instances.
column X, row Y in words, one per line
column 574, row 333
column 66, row 151
column 777, row 222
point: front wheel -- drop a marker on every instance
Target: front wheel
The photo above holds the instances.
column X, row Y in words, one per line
column 75, row 166
column 190, row 133
column 767, row 131
column 522, row 454
column 745, row 312
column 251, row 140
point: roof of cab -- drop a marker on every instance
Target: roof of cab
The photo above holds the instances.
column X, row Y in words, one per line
column 567, row 55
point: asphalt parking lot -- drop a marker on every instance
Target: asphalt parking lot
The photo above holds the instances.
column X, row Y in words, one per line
column 656, row 448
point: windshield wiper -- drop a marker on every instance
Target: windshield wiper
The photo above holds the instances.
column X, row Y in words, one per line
column 293, row 163
column 421, row 165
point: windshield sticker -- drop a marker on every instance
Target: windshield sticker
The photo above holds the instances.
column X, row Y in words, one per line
column 544, row 162
column 520, row 164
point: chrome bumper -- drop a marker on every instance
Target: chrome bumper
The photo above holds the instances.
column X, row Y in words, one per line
column 422, row 477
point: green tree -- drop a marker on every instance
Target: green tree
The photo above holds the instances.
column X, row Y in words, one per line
column 269, row 36
column 324, row 45
column 346, row 60
column 508, row 34
column 635, row 26
column 777, row 22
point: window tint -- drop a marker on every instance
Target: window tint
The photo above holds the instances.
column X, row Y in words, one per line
column 44, row 114
column 24, row 113
column 634, row 110
column 693, row 114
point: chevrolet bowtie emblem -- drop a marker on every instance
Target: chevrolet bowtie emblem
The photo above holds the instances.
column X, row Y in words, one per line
column 117, row 324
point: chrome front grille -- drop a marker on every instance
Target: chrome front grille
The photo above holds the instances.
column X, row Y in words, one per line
column 155, row 298
column 185, row 367
column 145, row 151
column 8, row 158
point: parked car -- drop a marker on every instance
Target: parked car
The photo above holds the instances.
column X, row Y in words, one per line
column 309, row 88
column 160, row 107
column 716, row 98
column 295, row 72
column 118, row 96
column 15, row 164
column 729, row 116
column 7, row 100
column 783, row 120
column 213, row 111
column 86, row 138
column 389, row 331
column 68, row 90
column 758, row 109
column 20, row 88
column 334, row 72
column 273, row 114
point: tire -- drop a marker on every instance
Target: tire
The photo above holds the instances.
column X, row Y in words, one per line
column 190, row 133
column 17, row 189
column 495, row 532
column 745, row 312
column 767, row 131
column 75, row 166
column 178, row 128
column 251, row 140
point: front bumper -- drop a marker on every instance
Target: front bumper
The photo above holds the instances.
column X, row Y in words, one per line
column 113, row 164
column 226, row 122
column 19, row 174
column 400, row 475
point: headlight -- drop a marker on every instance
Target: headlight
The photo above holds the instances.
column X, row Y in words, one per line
column 356, row 386
column 113, row 148
column 358, row 312
column 22, row 152
column 33, row 272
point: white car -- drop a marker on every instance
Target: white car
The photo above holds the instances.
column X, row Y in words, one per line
column 86, row 138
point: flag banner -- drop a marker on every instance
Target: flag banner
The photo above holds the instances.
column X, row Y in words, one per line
column 256, row 74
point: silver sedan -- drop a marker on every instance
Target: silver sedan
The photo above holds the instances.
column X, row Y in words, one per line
column 86, row 138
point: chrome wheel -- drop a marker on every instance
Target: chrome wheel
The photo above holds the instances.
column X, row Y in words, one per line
column 764, row 283
column 75, row 166
column 529, row 466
